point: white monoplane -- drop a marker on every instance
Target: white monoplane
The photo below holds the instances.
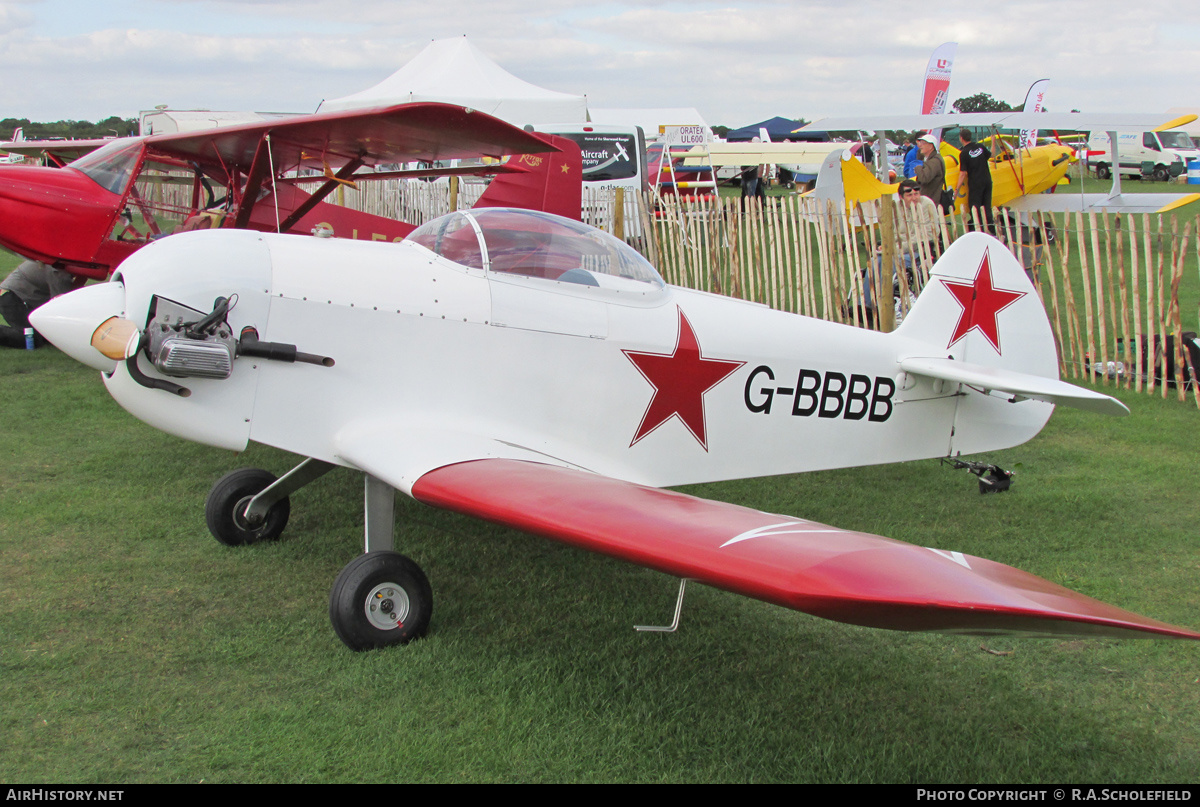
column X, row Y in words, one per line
column 535, row 372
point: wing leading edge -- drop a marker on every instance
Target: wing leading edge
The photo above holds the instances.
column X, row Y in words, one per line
column 836, row 574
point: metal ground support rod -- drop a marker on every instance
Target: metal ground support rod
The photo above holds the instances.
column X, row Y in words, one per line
column 674, row 623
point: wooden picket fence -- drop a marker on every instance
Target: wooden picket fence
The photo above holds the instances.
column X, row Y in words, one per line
column 1110, row 282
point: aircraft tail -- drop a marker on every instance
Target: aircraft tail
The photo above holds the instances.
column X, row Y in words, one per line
column 552, row 181
column 980, row 332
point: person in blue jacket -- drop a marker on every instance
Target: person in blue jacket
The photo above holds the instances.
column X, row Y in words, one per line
column 912, row 157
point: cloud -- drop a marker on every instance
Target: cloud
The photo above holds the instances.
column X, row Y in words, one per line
column 737, row 62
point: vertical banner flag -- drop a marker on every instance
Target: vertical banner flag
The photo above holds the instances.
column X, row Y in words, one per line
column 937, row 79
column 1034, row 103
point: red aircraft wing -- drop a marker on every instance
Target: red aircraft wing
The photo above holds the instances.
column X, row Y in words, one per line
column 837, row 574
column 395, row 134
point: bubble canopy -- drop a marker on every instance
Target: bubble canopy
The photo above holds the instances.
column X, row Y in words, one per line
column 532, row 243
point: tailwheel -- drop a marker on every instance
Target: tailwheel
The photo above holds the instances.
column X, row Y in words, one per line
column 225, row 509
column 380, row 599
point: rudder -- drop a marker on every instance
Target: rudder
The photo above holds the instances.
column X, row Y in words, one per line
column 979, row 313
column 551, row 181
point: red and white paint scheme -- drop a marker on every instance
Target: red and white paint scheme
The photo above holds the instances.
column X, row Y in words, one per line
column 533, row 371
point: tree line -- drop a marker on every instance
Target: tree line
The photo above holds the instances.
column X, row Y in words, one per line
column 69, row 129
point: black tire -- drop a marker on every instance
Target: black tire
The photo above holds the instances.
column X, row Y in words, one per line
column 380, row 599
column 1102, row 171
column 223, row 511
column 1161, row 174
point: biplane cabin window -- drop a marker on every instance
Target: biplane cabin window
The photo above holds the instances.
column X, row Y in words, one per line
column 165, row 195
column 111, row 165
column 533, row 244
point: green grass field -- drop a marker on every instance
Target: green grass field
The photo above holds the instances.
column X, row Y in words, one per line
column 134, row 648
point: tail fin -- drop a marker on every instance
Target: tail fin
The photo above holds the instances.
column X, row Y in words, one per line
column 552, row 181
column 979, row 328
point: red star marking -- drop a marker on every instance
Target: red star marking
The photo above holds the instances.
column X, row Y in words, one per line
column 981, row 302
column 680, row 380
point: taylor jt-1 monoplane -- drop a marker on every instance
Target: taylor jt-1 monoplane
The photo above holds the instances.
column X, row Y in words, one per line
column 533, row 371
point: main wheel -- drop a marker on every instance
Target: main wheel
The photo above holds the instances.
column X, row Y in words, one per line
column 380, row 599
column 225, row 509
column 1161, row 174
column 1102, row 171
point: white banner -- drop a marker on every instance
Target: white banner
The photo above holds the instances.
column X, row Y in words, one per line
column 937, row 79
column 1033, row 103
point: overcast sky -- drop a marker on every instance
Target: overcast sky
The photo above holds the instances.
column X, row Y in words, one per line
column 737, row 61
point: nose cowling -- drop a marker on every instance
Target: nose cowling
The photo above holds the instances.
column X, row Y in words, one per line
column 70, row 320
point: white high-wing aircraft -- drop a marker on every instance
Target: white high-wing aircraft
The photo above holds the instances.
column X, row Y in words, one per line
column 535, row 372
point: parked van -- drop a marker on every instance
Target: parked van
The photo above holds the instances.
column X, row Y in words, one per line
column 1153, row 155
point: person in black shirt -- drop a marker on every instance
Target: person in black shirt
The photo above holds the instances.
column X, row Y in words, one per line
column 973, row 169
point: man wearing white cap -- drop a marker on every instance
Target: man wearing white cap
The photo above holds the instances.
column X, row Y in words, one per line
column 931, row 173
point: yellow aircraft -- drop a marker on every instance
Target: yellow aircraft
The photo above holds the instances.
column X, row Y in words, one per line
column 1019, row 176
column 1015, row 173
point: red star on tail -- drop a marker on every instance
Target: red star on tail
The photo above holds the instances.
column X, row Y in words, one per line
column 680, row 380
column 981, row 302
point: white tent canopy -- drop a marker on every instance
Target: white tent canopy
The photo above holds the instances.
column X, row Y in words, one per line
column 454, row 71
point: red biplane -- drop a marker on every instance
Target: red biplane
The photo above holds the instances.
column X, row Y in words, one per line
column 93, row 213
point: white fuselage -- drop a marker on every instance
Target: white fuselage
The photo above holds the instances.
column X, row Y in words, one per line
column 431, row 354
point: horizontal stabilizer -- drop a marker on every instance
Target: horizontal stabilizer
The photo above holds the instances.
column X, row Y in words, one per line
column 1085, row 202
column 1024, row 385
column 836, row 574
column 719, row 154
column 1012, row 119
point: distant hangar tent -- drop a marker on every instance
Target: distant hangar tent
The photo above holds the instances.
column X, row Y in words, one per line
column 780, row 130
column 454, row 71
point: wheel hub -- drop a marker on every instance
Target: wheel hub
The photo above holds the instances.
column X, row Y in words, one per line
column 386, row 606
column 239, row 515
